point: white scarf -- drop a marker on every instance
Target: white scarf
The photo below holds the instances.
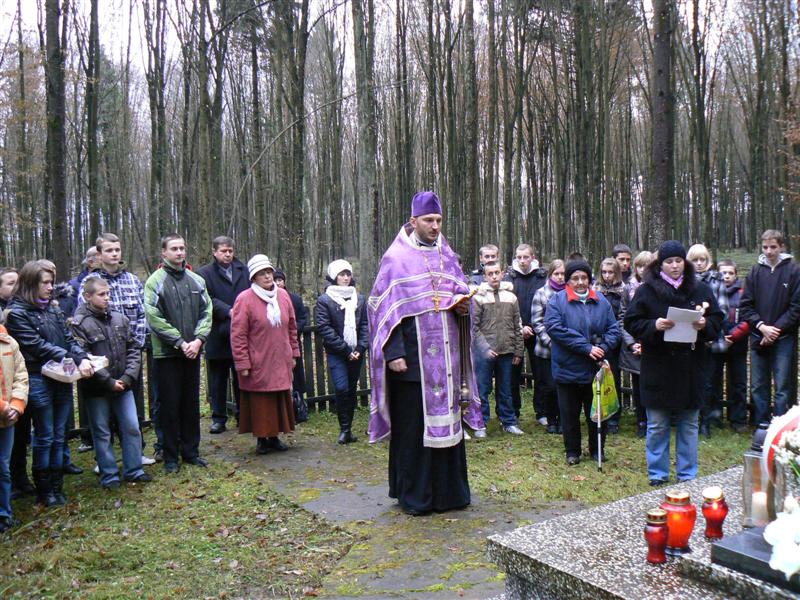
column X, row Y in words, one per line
column 271, row 298
column 347, row 298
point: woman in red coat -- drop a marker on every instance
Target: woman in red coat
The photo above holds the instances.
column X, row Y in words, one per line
column 265, row 348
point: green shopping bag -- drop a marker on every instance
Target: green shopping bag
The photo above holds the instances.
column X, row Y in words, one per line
column 605, row 401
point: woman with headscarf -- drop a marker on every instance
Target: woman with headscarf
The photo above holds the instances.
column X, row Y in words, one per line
column 672, row 378
column 342, row 322
column 265, row 349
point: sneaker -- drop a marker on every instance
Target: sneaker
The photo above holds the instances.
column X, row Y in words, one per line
column 542, row 421
column 113, row 485
column 573, row 460
column 158, row 456
column 197, row 462
column 217, row 428
column 96, row 470
column 146, row 460
column 513, row 430
column 479, row 433
column 466, row 435
column 658, row 482
column 85, row 447
column 552, row 428
column 143, row 478
column 171, row 467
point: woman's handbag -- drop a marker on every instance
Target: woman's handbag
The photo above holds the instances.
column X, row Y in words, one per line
column 300, row 407
column 605, row 401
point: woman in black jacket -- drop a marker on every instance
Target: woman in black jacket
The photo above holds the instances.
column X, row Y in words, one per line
column 41, row 331
column 342, row 322
column 672, row 376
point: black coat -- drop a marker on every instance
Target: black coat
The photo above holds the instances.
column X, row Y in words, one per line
column 330, row 325
column 525, row 286
column 672, row 374
column 42, row 334
column 223, row 294
column 771, row 296
column 107, row 334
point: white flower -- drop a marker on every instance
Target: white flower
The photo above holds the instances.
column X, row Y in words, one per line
column 783, row 534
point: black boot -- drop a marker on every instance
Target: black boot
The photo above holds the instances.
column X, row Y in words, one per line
column 262, row 447
column 57, row 483
column 345, row 406
column 44, row 489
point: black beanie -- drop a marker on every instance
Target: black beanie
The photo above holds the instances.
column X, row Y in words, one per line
column 577, row 265
column 669, row 249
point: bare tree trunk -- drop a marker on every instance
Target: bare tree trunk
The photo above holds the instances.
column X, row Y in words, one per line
column 662, row 182
column 24, row 200
column 55, row 181
column 92, row 99
column 367, row 178
column 472, row 191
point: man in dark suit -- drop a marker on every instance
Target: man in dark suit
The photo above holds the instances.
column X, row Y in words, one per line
column 226, row 277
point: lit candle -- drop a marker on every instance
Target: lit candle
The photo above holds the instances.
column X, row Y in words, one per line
column 760, row 514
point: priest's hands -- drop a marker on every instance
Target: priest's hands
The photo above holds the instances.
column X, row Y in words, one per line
column 398, row 365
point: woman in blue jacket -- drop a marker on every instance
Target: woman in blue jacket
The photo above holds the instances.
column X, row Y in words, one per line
column 342, row 322
column 583, row 331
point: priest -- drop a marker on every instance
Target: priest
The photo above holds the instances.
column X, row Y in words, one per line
column 421, row 391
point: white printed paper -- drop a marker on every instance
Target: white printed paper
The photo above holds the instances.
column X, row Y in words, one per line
column 683, row 331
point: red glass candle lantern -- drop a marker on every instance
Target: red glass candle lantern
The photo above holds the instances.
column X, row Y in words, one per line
column 681, row 515
column 715, row 509
column 655, row 534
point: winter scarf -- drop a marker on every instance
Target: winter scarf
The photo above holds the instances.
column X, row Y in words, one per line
column 676, row 283
column 555, row 286
column 347, row 299
column 271, row 298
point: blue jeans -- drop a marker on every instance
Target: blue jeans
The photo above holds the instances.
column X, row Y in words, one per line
column 658, row 438
column 500, row 368
column 344, row 373
column 6, row 444
column 49, row 403
column 123, row 406
column 773, row 362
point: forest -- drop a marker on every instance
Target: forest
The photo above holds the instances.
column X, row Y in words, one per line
column 302, row 129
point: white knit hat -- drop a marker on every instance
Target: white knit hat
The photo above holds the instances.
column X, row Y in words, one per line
column 259, row 262
column 337, row 267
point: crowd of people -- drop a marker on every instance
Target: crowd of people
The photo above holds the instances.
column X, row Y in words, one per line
column 439, row 341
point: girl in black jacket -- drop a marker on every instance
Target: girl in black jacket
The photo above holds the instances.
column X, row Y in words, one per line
column 39, row 327
column 672, row 373
column 611, row 285
column 342, row 322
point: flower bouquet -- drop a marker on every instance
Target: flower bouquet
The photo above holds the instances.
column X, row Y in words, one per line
column 782, row 456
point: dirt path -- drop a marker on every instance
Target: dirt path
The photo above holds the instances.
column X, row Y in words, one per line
column 432, row 557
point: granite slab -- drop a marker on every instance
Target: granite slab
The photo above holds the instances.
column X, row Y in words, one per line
column 600, row 553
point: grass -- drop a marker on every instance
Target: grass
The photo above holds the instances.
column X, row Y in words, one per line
column 525, row 471
column 226, row 532
column 213, row 533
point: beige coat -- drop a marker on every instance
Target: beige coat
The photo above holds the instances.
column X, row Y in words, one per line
column 14, row 390
column 496, row 322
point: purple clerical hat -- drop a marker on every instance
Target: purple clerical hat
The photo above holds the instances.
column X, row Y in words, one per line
column 425, row 203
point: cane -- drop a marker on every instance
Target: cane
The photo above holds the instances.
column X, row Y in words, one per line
column 599, row 386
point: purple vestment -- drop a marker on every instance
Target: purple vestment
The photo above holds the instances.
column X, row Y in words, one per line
column 405, row 288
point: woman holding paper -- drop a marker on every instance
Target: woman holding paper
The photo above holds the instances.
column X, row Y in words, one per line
column 672, row 372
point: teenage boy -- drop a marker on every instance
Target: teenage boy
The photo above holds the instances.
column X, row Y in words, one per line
column 8, row 279
column 106, row 332
column 126, row 295
column 622, row 254
column 731, row 351
column 178, row 310
column 487, row 254
column 226, row 277
column 497, row 335
column 526, row 276
column 771, row 306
